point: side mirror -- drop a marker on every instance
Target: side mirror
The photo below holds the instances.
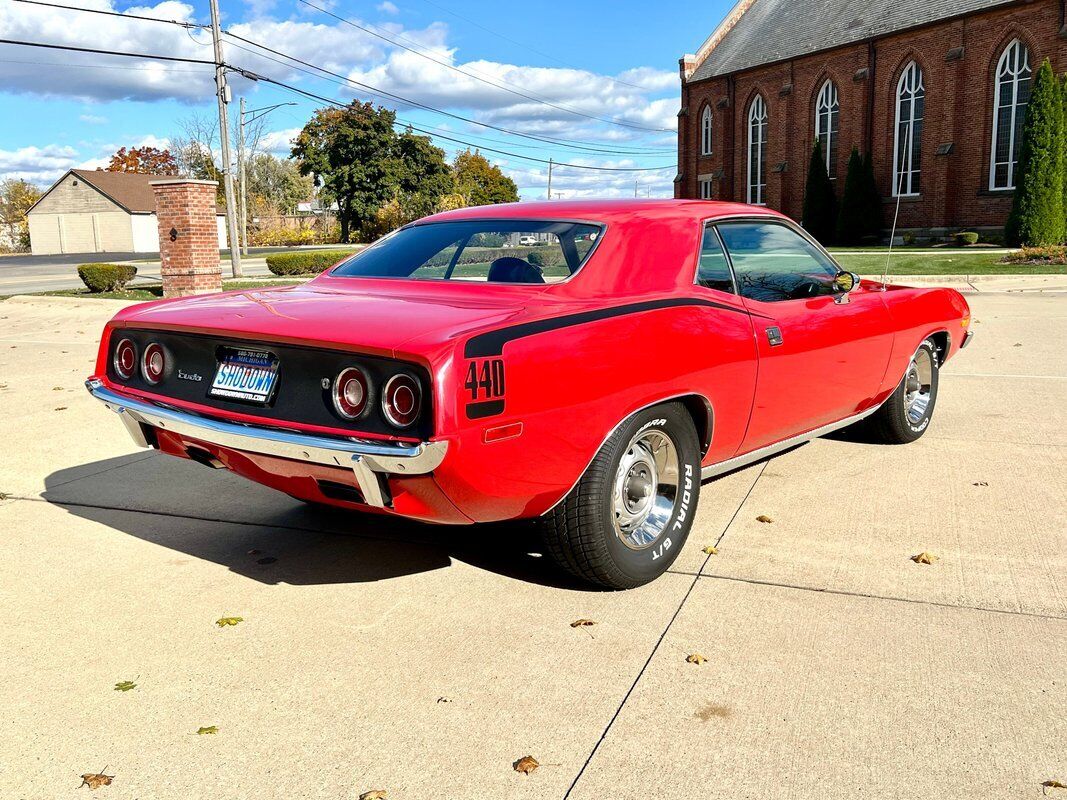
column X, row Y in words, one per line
column 846, row 281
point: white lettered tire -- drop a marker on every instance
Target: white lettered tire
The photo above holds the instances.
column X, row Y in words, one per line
column 628, row 517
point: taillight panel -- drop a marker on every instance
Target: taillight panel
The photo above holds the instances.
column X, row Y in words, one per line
column 309, row 389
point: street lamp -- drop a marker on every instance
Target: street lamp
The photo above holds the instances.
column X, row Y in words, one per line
column 253, row 115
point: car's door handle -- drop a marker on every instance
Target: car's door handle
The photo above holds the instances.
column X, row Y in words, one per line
column 774, row 335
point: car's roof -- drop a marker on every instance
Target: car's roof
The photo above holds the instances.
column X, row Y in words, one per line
column 604, row 210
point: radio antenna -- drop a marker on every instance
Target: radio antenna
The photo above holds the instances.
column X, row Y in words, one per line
column 896, row 213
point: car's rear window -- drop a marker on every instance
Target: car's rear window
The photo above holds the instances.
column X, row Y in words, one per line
column 497, row 251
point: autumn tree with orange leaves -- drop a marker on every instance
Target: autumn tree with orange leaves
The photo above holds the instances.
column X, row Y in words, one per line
column 146, row 160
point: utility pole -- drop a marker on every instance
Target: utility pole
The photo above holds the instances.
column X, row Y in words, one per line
column 635, row 186
column 253, row 115
column 550, row 179
column 241, row 178
column 223, row 92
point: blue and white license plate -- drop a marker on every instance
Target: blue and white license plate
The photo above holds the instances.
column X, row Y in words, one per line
column 248, row 375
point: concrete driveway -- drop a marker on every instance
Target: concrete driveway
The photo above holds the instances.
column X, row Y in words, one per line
column 425, row 661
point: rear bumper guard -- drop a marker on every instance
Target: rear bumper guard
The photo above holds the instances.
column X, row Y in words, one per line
column 369, row 460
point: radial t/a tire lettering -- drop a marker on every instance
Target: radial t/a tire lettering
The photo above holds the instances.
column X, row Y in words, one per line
column 628, row 517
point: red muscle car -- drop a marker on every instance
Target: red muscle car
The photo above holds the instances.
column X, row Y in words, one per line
column 584, row 364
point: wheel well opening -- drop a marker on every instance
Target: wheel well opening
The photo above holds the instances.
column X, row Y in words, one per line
column 703, row 419
column 940, row 340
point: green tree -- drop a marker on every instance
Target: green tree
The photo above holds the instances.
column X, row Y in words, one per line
column 820, row 205
column 275, row 185
column 1063, row 146
column 481, row 183
column 870, row 200
column 424, row 176
column 16, row 197
column 350, row 153
column 850, row 219
column 1037, row 212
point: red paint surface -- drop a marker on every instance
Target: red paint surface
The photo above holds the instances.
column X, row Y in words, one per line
column 570, row 387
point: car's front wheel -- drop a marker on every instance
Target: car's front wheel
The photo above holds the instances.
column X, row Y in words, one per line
column 906, row 414
column 626, row 520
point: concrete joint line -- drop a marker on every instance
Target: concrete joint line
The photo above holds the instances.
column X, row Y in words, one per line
column 662, row 636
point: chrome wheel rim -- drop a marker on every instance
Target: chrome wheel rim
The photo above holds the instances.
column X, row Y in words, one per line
column 918, row 382
column 645, row 489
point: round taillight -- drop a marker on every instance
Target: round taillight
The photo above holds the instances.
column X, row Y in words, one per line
column 153, row 363
column 125, row 359
column 401, row 400
column 350, row 392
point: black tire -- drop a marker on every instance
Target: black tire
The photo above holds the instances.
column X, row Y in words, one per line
column 580, row 534
column 891, row 423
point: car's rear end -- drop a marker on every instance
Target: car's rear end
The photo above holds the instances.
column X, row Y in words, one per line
column 299, row 389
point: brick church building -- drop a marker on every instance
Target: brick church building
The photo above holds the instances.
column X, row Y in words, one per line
column 934, row 90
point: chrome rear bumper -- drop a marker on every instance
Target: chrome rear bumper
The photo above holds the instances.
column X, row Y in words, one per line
column 369, row 460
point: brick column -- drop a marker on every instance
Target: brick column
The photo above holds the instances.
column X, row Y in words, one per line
column 188, row 236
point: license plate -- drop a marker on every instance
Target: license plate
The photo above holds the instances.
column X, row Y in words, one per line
column 248, row 375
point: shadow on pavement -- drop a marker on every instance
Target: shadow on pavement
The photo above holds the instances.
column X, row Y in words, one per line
column 270, row 537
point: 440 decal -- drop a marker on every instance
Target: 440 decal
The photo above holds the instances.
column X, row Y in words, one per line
column 485, row 386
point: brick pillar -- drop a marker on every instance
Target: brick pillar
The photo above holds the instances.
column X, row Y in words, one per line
column 188, row 236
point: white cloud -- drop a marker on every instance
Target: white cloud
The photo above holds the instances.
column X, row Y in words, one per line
column 40, row 165
column 279, row 143
column 388, row 8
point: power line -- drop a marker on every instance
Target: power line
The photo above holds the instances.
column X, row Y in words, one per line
column 505, row 87
column 557, row 164
column 68, row 65
column 98, row 51
column 433, row 109
column 566, row 143
column 122, row 14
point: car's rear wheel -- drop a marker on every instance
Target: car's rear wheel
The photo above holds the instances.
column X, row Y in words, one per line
column 906, row 414
column 626, row 520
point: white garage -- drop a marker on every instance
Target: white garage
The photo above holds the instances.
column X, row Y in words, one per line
column 94, row 211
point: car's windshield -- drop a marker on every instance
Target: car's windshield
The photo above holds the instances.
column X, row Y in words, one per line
column 497, row 251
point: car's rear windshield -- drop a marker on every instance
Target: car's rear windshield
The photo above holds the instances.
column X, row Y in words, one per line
column 494, row 251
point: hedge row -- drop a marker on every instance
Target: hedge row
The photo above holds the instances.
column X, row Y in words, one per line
column 307, row 262
column 541, row 256
column 106, row 277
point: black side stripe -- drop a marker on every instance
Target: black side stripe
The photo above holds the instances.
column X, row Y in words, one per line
column 491, row 343
column 487, row 408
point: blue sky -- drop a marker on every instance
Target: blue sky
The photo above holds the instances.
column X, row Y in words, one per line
column 614, row 61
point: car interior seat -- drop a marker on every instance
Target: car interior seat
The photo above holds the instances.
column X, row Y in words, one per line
column 514, row 270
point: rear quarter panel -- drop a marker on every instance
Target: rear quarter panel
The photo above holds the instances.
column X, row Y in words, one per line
column 570, row 387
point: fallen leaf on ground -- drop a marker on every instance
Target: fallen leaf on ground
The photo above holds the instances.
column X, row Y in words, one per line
column 526, row 765
column 444, row 699
column 763, row 518
column 1054, row 785
column 61, row 408
column 57, row 388
column 695, row 658
column 222, row 623
column 125, row 686
column 94, row 780
column 373, row 794
column 711, row 550
column 924, row 558
column 208, row 729
column 1017, row 344
column 582, row 623
column 980, row 483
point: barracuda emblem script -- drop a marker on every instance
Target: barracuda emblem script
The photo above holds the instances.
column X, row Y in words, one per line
column 189, row 376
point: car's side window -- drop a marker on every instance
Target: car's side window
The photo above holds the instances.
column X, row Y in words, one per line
column 714, row 269
column 773, row 262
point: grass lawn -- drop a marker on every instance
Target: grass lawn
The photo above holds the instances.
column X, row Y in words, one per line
column 156, row 292
column 931, row 263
